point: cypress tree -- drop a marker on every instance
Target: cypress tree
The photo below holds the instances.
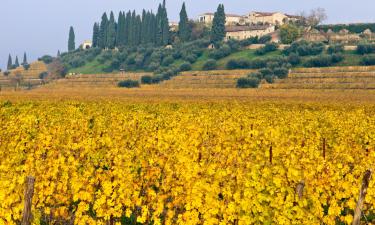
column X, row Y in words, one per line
column 218, row 25
column 120, row 30
column 132, row 29
column 58, row 53
column 24, row 62
column 111, row 32
column 16, row 63
column 128, row 19
column 71, row 41
column 159, row 26
column 10, row 63
column 165, row 25
column 184, row 29
column 102, row 42
column 144, row 27
column 95, row 35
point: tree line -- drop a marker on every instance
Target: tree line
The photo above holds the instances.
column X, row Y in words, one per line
column 132, row 29
column 11, row 65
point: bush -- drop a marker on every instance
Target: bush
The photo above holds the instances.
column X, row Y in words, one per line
column 337, row 48
column 336, row 58
column 238, row 64
column 43, row 75
column 209, row 65
column 250, row 82
column 294, row 59
column 6, row 73
column 265, row 72
column 157, row 78
column 304, row 48
column 191, row 58
column 153, row 66
column 128, row 83
column 220, row 53
column 249, row 41
column 269, row 47
column 46, row 59
column 167, row 61
column 270, row 79
column 368, row 60
column 319, row 61
column 185, row 66
column 281, row 72
column 264, row 39
column 365, row 49
column 26, row 66
column 146, row 79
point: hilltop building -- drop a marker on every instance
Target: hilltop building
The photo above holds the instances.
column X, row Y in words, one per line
column 274, row 18
column 244, row 32
column 231, row 19
column 87, row 44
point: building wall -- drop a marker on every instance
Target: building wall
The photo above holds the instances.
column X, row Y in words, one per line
column 276, row 18
column 242, row 35
column 230, row 20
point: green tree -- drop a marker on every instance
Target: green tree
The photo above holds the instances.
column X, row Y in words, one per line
column 16, row 63
column 24, row 62
column 165, row 25
column 58, row 53
column 128, row 24
column 120, row 37
column 184, row 28
column 111, row 32
column 289, row 33
column 71, row 41
column 95, row 35
column 102, row 42
column 218, row 25
column 10, row 63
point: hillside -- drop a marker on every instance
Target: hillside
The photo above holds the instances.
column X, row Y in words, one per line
column 24, row 77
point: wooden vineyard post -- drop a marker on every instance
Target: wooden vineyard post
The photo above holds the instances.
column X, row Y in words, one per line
column 361, row 198
column 271, row 154
column 29, row 192
column 299, row 189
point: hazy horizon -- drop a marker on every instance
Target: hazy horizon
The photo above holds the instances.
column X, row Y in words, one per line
column 40, row 27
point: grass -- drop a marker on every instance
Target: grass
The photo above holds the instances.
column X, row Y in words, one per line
column 92, row 67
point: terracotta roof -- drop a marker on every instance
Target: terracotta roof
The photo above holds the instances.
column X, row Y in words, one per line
column 227, row 14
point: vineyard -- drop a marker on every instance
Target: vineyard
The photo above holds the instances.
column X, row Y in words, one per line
column 180, row 162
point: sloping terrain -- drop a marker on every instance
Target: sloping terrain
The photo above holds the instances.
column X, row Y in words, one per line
column 352, row 77
column 94, row 80
column 24, row 78
column 206, row 79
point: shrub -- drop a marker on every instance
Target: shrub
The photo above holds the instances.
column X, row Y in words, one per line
column 238, row 64
column 304, row 48
column 336, row 58
column 185, row 66
column 167, row 61
column 43, row 75
column 153, row 66
column 365, row 49
column 146, row 79
column 264, row 39
column 220, row 53
column 26, row 66
column 294, row 59
column 257, row 63
column 157, row 78
column 191, row 58
column 368, row 60
column 209, row 65
column 257, row 75
column 128, row 83
column 269, row 47
column 337, row 48
column 250, row 82
column 6, row 73
column 265, row 72
column 319, row 61
column 281, row 72
column 47, row 59
column 270, row 79
column 249, row 41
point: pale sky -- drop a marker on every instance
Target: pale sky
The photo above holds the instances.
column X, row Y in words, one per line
column 41, row 26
